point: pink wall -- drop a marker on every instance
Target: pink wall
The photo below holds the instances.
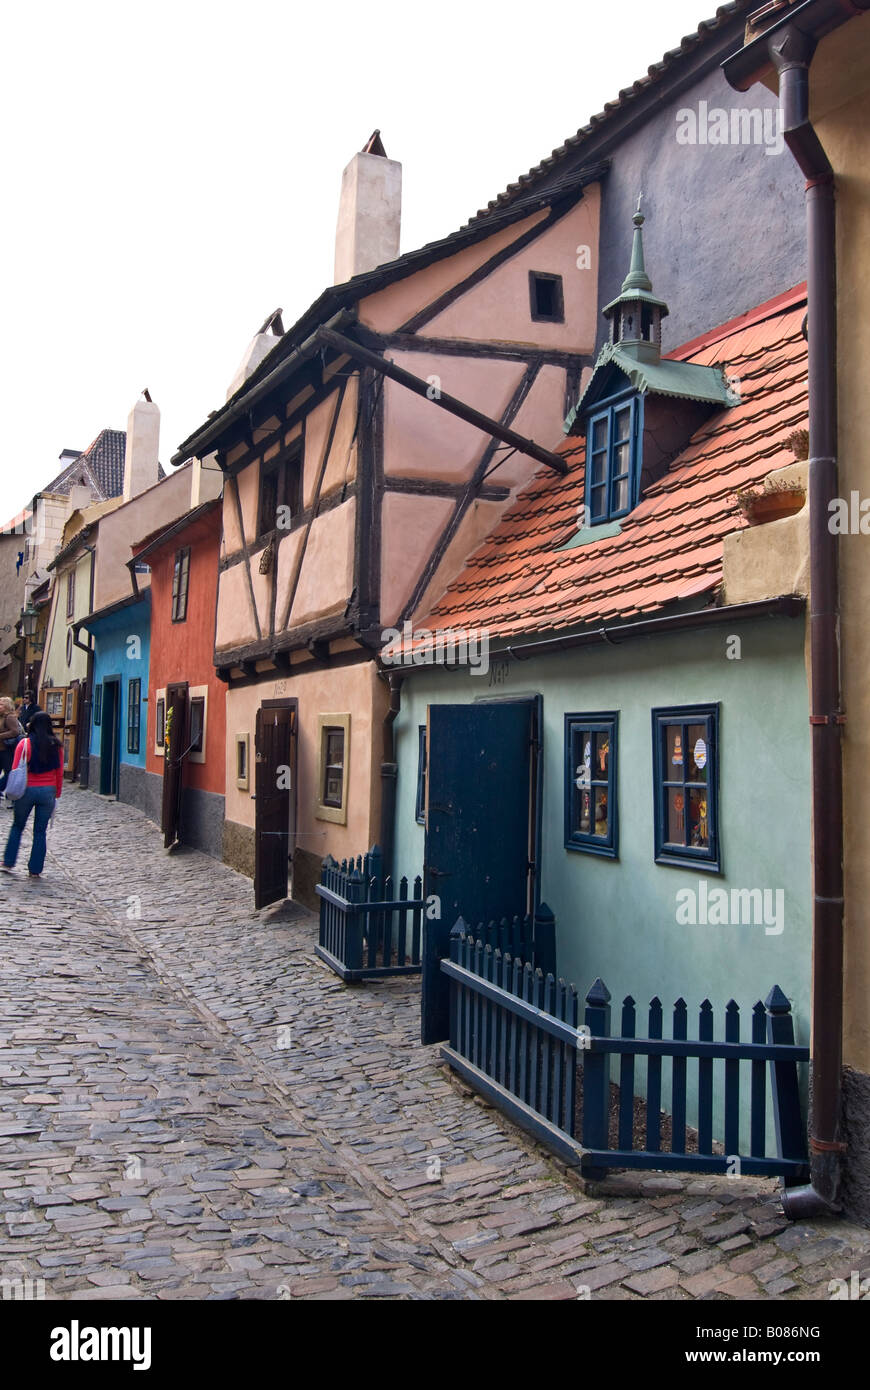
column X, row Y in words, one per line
column 499, row 305
column 393, row 306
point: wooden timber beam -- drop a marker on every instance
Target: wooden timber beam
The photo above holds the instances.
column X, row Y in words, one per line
column 456, row 407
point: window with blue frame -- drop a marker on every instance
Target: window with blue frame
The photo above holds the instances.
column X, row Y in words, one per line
column 134, row 713
column 98, row 704
column 612, row 459
column 686, row 786
column 421, row 775
column 590, row 783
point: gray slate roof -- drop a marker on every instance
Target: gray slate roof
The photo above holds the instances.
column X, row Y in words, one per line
column 101, row 465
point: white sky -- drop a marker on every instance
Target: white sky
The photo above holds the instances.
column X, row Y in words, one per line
column 171, row 173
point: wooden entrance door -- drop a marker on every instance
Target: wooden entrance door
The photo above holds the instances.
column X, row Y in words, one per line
column 275, row 821
column 110, row 738
column 481, row 855
column 173, row 767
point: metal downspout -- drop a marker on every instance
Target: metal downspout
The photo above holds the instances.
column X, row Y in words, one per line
column 85, row 750
column 390, row 772
column 791, row 52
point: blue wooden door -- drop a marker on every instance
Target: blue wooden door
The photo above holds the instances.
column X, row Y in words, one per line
column 481, row 827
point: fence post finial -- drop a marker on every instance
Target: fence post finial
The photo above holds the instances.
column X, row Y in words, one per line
column 544, row 938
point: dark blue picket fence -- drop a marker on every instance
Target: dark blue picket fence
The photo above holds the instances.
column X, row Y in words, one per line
column 365, row 931
column 514, row 1035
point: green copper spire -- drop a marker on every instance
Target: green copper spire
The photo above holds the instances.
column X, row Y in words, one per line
column 637, row 278
column 636, row 314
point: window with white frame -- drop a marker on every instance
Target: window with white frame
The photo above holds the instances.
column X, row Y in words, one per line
column 332, row 767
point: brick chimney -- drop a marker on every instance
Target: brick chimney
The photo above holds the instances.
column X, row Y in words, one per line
column 143, row 439
column 369, row 212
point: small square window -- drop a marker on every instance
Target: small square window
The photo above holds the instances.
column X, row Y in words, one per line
column 545, row 293
column 98, row 704
column 180, row 583
column 134, row 711
column 421, row 775
column 590, row 783
column 686, row 786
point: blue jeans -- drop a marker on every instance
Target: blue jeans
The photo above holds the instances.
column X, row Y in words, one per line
column 43, row 799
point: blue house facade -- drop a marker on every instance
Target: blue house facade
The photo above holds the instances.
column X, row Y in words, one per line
column 119, row 721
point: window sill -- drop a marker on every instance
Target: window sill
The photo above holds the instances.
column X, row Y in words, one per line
column 686, row 861
column 602, row 851
column 336, row 814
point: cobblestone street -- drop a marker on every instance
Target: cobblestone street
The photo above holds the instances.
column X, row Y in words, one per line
column 195, row 1107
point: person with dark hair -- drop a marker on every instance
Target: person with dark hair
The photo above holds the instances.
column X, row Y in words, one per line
column 44, row 755
column 28, row 709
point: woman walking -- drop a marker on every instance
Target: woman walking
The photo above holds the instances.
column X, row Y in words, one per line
column 10, row 733
column 44, row 755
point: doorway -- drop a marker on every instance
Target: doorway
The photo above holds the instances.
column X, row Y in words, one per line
column 175, row 746
column 110, row 736
column 275, row 787
column 483, row 828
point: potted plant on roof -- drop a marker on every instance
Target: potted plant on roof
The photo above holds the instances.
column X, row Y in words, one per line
column 772, row 502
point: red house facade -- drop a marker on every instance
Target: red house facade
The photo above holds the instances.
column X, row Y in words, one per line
column 186, row 719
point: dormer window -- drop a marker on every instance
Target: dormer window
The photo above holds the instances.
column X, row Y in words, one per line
column 638, row 409
column 612, row 459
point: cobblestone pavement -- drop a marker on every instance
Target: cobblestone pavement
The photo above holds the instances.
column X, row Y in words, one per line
column 195, row 1107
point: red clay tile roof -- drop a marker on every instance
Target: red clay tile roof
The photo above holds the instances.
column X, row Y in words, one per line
column 670, row 546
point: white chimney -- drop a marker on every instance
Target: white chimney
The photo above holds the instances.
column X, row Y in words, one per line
column 262, row 342
column 369, row 212
column 143, row 439
column 79, row 497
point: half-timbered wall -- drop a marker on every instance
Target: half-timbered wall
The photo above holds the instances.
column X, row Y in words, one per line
column 308, row 575
column 395, row 493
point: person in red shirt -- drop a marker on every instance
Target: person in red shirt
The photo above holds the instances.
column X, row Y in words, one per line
column 44, row 755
